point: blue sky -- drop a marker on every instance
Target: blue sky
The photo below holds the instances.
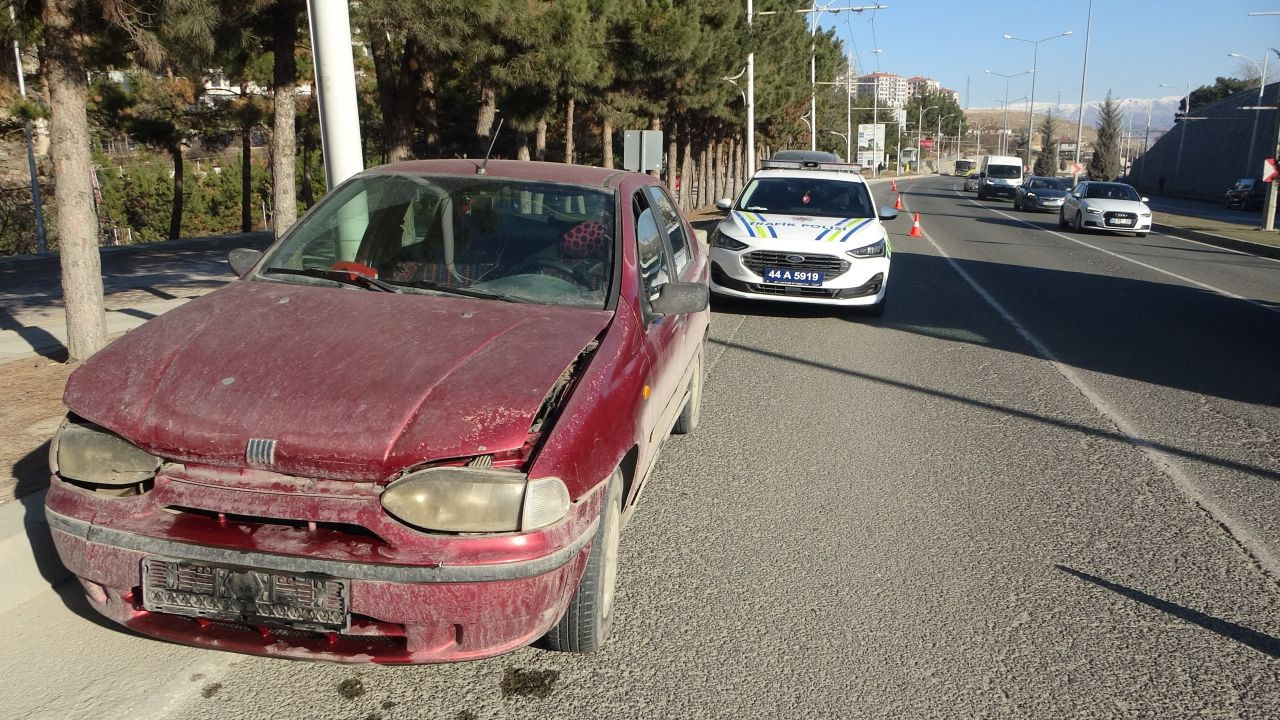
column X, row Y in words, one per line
column 1135, row 46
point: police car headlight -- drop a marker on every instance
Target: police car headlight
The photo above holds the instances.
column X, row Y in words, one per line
column 874, row 250
column 720, row 240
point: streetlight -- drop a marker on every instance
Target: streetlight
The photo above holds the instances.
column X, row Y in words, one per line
column 814, row 12
column 1035, row 56
column 1002, row 147
column 1182, row 132
column 42, row 246
column 938, row 139
column 1084, row 75
column 1262, row 84
column 1007, row 78
column 920, row 130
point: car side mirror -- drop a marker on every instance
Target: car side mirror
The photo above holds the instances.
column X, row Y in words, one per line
column 724, row 204
column 679, row 298
column 1146, row 199
column 1075, row 195
column 888, row 213
column 242, row 260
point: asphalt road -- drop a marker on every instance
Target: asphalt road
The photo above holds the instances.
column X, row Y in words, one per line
column 1043, row 485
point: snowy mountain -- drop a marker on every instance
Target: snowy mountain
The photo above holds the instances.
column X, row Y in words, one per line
column 1162, row 110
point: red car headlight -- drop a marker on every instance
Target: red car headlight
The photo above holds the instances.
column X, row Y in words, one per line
column 463, row 499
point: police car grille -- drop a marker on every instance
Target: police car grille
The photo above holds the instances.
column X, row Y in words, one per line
column 830, row 265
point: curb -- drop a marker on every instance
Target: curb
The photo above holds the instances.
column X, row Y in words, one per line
column 27, row 555
column 1244, row 246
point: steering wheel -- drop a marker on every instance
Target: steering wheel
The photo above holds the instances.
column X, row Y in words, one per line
column 559, row 269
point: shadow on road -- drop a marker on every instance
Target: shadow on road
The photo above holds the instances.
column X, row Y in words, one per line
column 1261, row 642
column 41, row 341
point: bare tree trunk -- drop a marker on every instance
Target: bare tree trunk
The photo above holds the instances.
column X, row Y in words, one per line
column 484, row 118
column 704, row 174
column 540, row 140
column 284, row 191
column 308, row 150
column 246, row 159
column 175, row 216
column 396, row 95
column 606, row 142
column 717, row 179
column 72, row 169
column 686, row 173
column 430, row 114
column 568, row 130
column 733, row 167
column 672, row 148
column 522, row 152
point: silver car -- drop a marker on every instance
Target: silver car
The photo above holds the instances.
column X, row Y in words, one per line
column 1041, row 193
column 971, row 183
column 1109, row 206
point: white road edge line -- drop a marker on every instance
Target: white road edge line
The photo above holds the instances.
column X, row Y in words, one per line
column 1217, row 247
column 1183, row 278
column 1165, row 462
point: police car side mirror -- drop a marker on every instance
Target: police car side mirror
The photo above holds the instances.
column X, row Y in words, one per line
column 724, row 204
column 1146, row 199
column 888, row 213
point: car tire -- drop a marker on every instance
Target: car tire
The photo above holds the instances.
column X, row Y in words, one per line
column 1017, row 204
column 1062, row 219
column 585, row 625
column 1077, row 225
column 1141, row 234
column 691, row 413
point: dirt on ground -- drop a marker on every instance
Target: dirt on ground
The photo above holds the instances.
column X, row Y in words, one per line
column 30, row 410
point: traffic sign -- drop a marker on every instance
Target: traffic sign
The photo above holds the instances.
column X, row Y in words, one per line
column 1077, row 168
column 1269, row 171
column 927, row 143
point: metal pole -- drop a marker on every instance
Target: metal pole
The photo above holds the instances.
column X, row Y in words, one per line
column 335, row 89
column 848, row 113
column 751, row 101
column 875, row 123
column 1031, row 101
column 813, row 77
column 1253, row 135
column 1182, row 137
column 42, row 246
column 1004, row 145
column 1084, row 74
column 1269, row 212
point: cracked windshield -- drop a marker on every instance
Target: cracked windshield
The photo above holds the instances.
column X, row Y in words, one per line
column 483, row 360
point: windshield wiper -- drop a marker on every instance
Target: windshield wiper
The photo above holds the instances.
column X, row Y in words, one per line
column 339, row 276
column 466, row 292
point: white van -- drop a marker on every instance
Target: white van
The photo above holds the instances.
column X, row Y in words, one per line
column 1000, row 175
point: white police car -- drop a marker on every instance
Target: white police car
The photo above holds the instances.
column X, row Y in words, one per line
column 804, row 230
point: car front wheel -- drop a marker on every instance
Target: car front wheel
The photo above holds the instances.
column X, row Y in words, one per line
column 585, row 625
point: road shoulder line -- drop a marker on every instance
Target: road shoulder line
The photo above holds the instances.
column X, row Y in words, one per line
column 1249, row 543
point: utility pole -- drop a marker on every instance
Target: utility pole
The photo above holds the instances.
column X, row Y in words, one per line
column 1084, row 74
column 751, row 99
column 42, row 245
column 335, row 90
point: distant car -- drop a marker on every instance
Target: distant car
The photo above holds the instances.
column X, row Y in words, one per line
column 1247, row 193
column 965, row 168
column 1041, row 193
column 804, row 232
column 1109, row 206
column 410, row 432
column 972, row 182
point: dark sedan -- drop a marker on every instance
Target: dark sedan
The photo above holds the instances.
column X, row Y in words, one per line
column 1041, row 193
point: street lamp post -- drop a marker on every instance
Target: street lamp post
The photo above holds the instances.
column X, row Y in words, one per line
column 938, row 138
column 920, row 131
column 1084, row 75
column 42, row 245
column 1262, row 84
column 1182, row 132
column 1035, row 57
column 1007, row 78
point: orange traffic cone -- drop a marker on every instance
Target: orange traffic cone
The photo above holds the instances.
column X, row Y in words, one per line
column 915, row 228
column 897, row 204
column 893, row 185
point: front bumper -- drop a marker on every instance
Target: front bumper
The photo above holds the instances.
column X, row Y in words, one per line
column 1043, row 204
column 414, row 598
column 1004, row 191
column 1098, row 223
column 863, row 283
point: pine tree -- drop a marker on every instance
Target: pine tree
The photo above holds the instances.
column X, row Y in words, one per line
column 1105, row 164
column 1046, row 163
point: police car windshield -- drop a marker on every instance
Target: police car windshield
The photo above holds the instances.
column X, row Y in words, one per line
column 807, row 196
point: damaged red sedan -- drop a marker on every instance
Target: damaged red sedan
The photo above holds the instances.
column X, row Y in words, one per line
column 411, row 432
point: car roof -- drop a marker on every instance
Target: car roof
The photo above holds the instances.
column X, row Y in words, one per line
column 811, row 175
column 517, row 170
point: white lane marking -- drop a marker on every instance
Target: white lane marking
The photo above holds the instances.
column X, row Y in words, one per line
column 1217, row 247
column 1153, row 268
column 1165, row 462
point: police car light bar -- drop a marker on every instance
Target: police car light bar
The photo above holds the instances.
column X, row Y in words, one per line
column 810, row 165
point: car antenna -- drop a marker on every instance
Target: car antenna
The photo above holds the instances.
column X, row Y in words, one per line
column 480, row 168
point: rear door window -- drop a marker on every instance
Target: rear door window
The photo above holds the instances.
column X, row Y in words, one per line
column 672, row 226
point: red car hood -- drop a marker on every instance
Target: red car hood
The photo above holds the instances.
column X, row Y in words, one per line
column 350, row 384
